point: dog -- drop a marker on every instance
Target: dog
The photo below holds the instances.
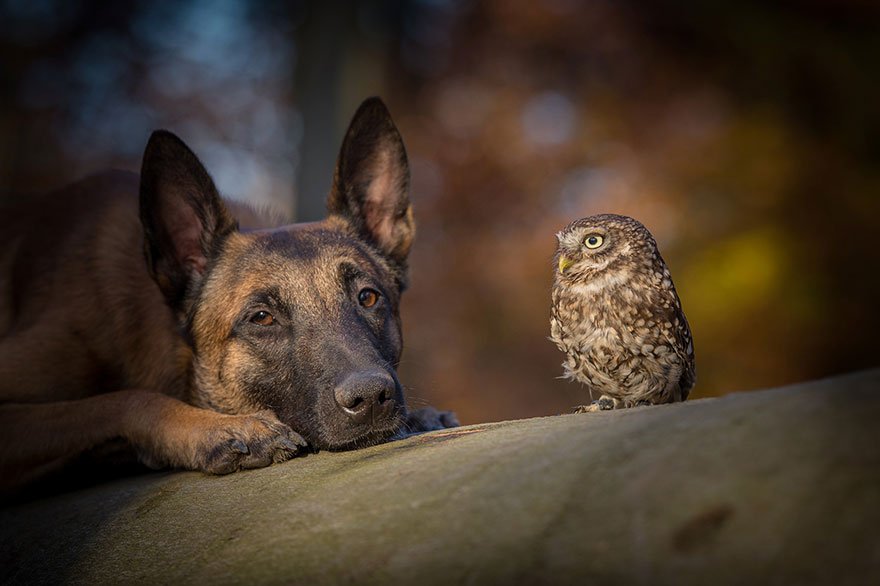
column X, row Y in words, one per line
column 159, row 323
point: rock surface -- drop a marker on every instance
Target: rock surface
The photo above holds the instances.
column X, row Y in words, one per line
column 771, row 487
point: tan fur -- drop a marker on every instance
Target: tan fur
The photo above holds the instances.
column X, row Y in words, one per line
column 131, row 309
column 51, row 358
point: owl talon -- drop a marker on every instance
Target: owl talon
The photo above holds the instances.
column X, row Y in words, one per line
column 603, row 404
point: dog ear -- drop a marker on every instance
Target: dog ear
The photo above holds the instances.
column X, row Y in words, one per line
column 183, row 217
column 371, row 182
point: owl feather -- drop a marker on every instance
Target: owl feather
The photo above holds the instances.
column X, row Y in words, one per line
column 617, row 317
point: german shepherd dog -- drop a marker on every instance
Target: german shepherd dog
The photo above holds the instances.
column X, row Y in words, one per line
column 161, row 325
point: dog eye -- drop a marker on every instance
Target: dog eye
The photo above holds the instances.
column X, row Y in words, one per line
column 263, row 318
column 368, row 297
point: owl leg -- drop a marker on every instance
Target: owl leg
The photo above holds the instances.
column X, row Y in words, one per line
column 605, row 403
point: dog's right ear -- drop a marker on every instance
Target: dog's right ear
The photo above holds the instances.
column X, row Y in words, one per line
column 182, row 214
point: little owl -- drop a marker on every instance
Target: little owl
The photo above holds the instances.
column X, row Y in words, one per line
column 617, row 317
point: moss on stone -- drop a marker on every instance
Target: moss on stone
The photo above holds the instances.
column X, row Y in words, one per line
column 771, row 487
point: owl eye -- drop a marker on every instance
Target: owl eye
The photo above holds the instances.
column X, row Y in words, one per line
column 593, row 241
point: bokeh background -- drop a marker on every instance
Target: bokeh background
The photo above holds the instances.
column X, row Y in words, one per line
column 745, row 134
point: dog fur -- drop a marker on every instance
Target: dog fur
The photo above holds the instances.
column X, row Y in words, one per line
column 159, row 324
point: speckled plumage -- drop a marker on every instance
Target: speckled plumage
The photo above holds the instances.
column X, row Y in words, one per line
column 617, row 317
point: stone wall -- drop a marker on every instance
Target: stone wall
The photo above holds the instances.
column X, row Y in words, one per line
column 772, row 487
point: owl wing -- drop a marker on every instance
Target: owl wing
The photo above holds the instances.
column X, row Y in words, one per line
column 682, row 342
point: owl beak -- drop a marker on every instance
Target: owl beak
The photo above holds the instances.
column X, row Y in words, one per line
column 564, row 263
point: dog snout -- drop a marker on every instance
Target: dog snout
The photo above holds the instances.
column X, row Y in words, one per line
column 366, row 397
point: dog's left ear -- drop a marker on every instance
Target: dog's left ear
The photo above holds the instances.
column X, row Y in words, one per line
column 371, row 182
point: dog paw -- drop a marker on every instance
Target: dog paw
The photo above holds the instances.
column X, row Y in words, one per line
column 241, row 442
column 429, row 419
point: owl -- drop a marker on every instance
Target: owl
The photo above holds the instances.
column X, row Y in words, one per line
column 616, row 316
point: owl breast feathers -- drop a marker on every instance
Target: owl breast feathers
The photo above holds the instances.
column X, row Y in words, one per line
column 616, row 315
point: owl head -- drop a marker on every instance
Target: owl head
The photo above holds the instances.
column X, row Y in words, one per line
column 601, row 244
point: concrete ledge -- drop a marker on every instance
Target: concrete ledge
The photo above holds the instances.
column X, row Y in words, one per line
column 772, row 487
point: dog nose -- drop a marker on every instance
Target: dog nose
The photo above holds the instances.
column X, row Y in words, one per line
column 367, row 396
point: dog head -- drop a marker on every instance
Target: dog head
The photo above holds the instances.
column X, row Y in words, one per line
column 301, row 319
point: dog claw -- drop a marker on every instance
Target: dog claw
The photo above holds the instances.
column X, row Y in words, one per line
column 293, row 444
column 449, row 419
column 429, row 419
column 239, row 446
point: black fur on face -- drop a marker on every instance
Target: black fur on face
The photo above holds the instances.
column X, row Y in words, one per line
column 299, row 329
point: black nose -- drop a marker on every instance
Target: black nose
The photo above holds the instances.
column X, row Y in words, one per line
column 366, row 396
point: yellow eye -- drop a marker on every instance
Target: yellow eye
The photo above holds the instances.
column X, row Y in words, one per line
column 593, row 241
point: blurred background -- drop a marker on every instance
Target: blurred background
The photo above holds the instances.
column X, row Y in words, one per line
column 745, row 134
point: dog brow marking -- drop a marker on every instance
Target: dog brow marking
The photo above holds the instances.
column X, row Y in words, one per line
column 269, row 297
